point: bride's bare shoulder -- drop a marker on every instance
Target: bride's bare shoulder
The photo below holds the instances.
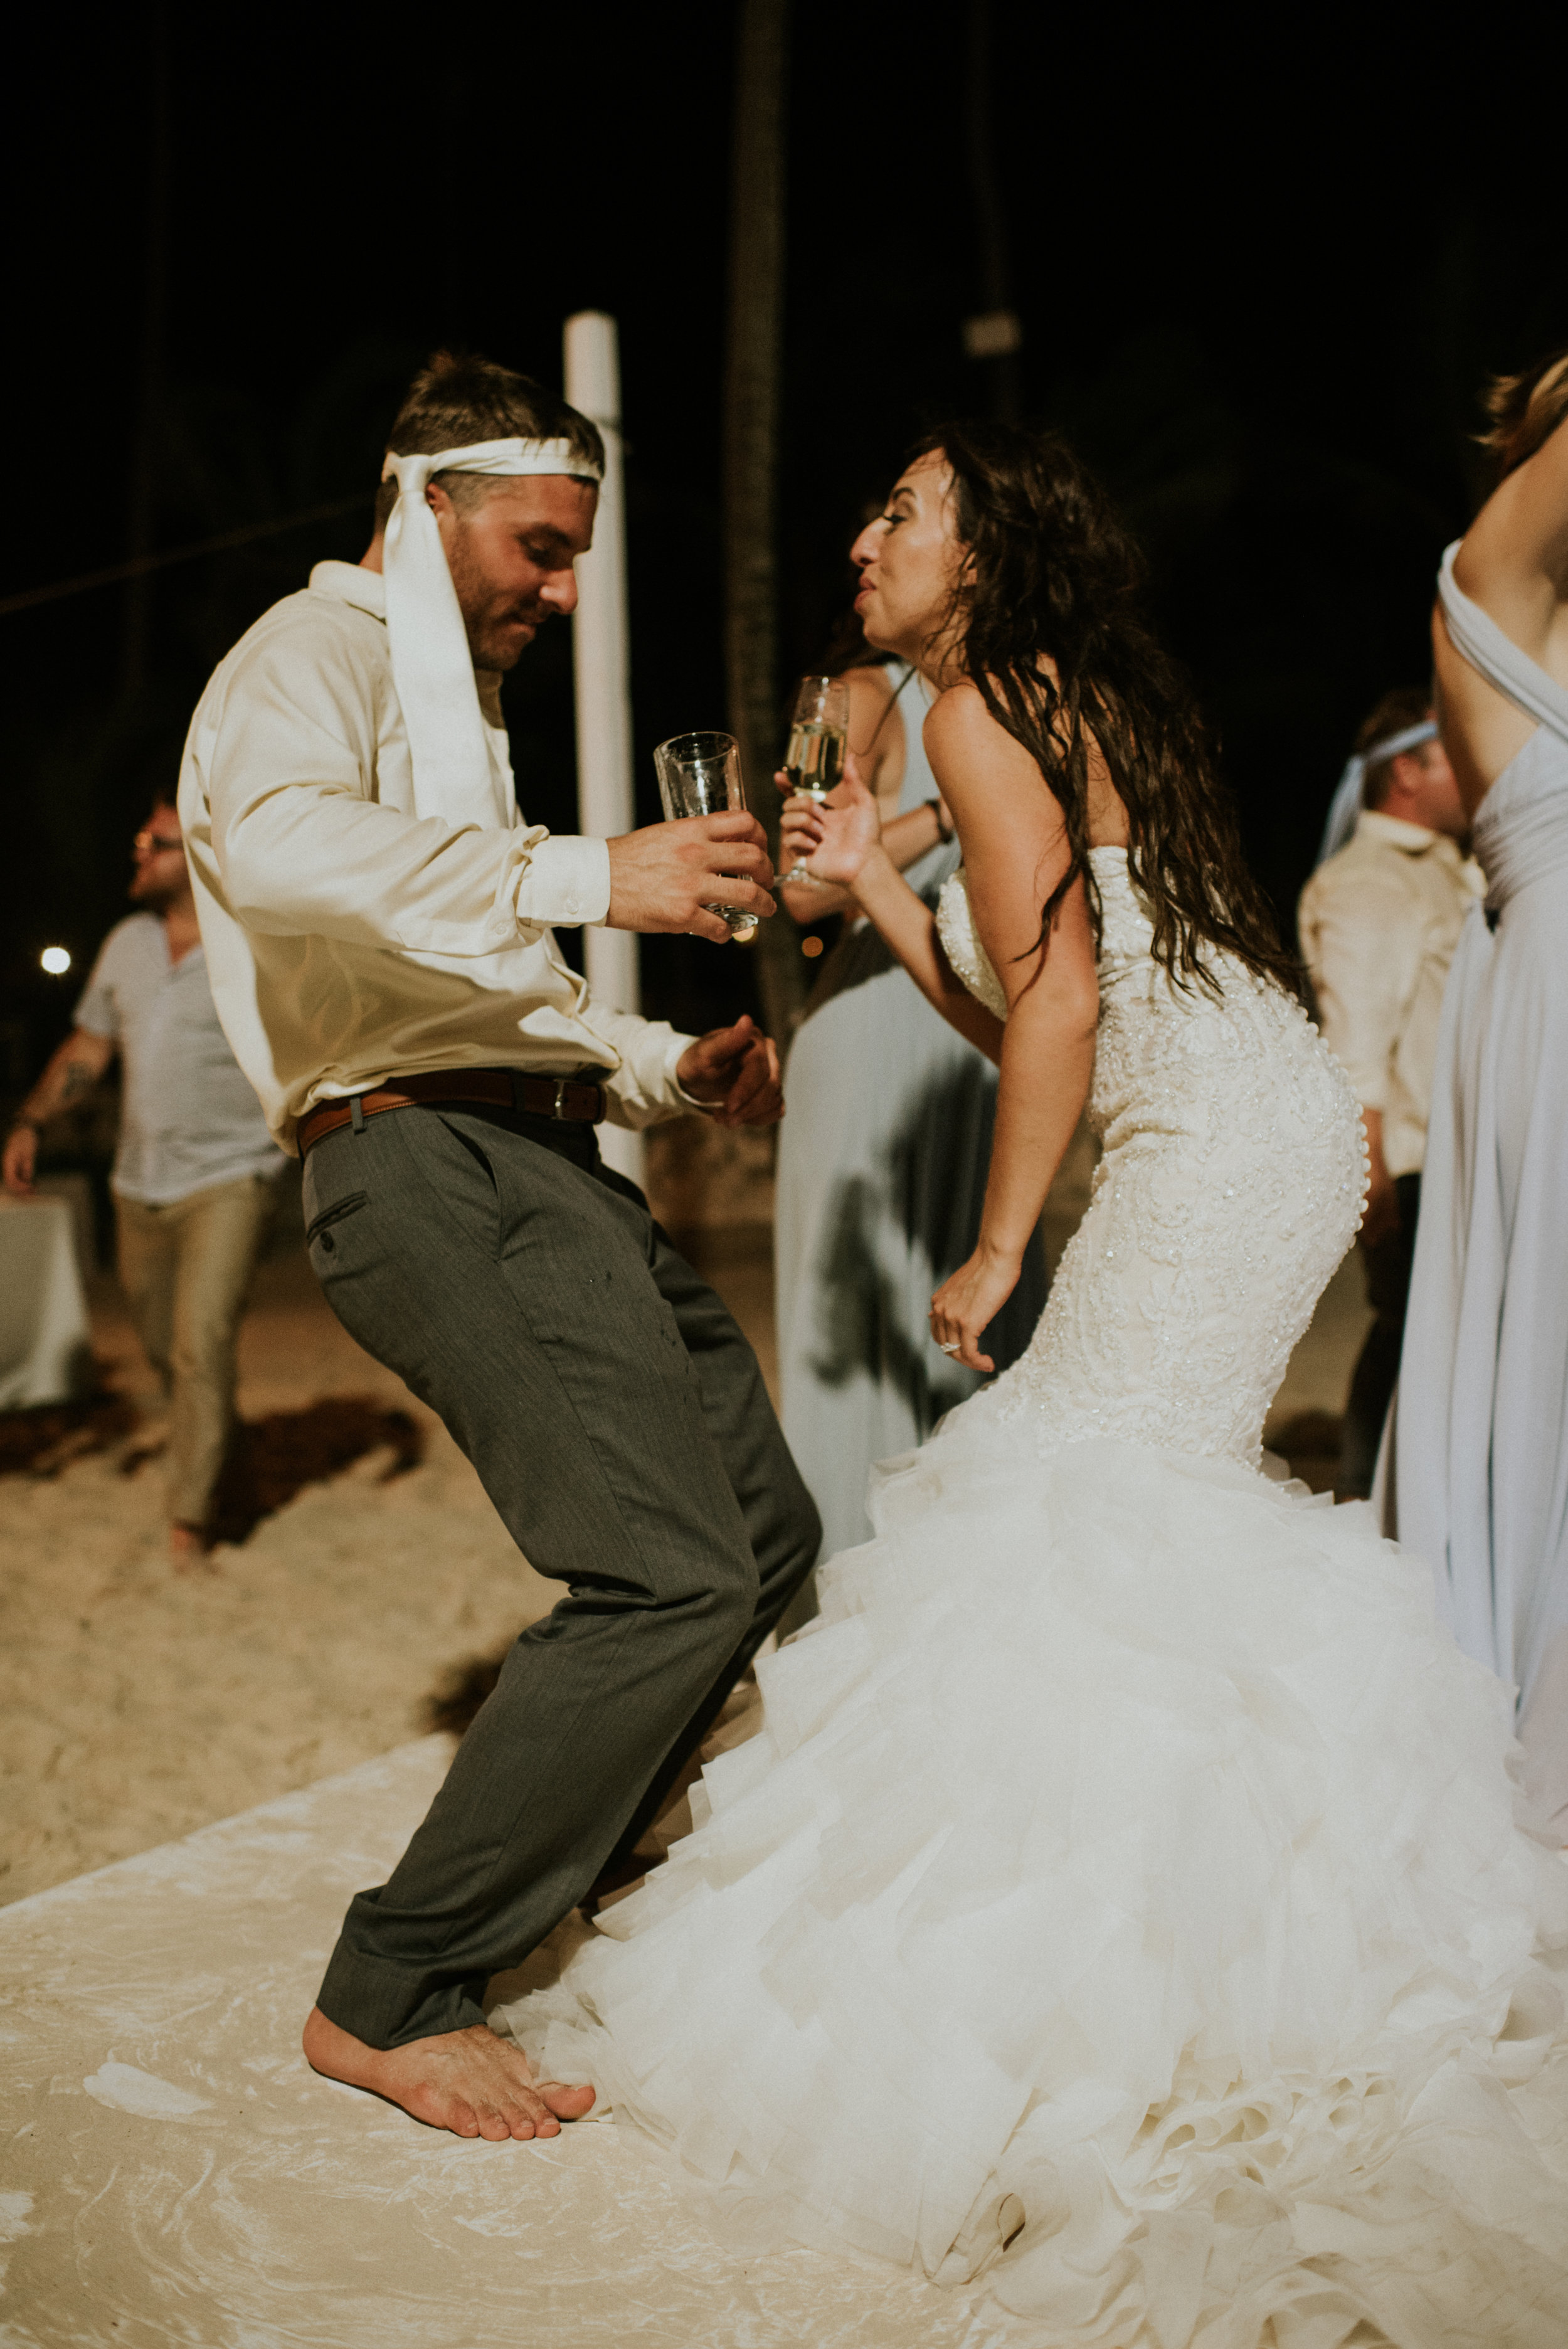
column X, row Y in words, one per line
column 960, row 730
column 958, row 705
column 968, row 747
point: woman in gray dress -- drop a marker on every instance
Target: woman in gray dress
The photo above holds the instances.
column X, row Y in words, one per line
column 1481, row 1438
column 881, row 1160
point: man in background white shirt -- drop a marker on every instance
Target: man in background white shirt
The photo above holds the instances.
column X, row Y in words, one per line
column 1379, row 923
column 195, row 1170
column 379, row 916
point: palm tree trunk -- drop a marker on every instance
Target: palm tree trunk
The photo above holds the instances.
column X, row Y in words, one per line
column 752, row 407
column 993, row 336
column 141, row 501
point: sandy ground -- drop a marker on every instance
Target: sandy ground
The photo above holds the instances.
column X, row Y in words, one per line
column 136, row 1705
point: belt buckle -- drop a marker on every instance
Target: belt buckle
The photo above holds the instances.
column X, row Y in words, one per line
column 560, row 1109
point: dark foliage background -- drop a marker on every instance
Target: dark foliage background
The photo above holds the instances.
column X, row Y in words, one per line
column 1261, row 270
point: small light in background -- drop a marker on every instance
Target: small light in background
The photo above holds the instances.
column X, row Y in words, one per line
column 55, row 961
column 813, row 947
column 993, row 336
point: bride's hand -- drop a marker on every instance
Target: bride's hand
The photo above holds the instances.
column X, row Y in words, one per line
column 966, row 1305
column 833, row 837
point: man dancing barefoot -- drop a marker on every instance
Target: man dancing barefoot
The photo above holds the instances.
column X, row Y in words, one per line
column 377, row 921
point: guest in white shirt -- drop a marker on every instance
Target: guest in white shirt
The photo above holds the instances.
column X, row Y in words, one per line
column 379, row 916
column 195, row 1172
column 1379, row 923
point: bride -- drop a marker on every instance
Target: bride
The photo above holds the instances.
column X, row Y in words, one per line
column 1124, row 1894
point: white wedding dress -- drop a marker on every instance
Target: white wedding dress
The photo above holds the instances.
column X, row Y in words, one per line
column 1124, row 1894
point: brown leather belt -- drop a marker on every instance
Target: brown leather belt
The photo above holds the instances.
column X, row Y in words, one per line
column 579, row 1100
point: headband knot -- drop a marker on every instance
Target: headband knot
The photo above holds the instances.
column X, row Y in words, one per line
column 1345, row 808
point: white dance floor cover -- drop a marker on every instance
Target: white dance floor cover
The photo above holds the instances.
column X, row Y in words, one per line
column 175, row 2173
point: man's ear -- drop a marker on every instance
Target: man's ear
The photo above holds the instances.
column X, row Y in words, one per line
column 445, row 511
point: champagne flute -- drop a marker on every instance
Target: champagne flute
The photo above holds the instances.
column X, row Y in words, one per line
column 818, row 742
column 699, row 774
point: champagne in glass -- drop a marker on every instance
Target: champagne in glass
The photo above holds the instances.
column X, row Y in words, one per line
column 699, row 774
column 819, row 740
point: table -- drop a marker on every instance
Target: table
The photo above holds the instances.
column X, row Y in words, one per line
column 45, row 1352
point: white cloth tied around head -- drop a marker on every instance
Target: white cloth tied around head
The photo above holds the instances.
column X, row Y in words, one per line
column 1346, row 803
column 457, row 773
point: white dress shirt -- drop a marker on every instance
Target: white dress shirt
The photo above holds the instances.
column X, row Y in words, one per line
column 350, row 942
column 1379, row 924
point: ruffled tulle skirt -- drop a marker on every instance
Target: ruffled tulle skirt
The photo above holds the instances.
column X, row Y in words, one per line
column 1124, row 1895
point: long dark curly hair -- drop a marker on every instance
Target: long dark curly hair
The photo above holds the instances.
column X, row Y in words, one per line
column 1055, row 572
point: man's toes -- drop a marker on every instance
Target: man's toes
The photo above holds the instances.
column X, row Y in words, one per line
column 452, row 2112
column 493, row 2123
column 528, row 2118
column 566, row 2103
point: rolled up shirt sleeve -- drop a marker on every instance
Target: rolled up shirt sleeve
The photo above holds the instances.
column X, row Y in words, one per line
column 1363, row 953
column 645, row 1089
column 302, row 849
column 569, row 873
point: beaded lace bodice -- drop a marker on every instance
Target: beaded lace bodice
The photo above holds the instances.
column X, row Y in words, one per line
column 1230, row 1187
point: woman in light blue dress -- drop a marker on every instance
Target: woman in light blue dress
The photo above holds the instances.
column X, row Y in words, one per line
column 881, row 1163
column 1481, row 1438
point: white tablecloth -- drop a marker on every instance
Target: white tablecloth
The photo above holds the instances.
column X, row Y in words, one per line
column 46, row 1355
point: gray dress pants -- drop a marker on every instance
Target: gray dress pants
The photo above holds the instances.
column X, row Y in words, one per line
column 619, row 1422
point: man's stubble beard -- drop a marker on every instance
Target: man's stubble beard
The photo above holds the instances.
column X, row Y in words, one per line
column 476, row 602
column 500, row 657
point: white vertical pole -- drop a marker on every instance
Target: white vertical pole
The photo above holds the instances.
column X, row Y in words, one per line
column 602, row 668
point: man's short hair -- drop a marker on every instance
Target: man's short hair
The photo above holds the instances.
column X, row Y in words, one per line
column 456, row 399
column 1408, row 705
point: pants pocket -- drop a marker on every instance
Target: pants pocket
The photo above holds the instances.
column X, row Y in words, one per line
column 318, row 1232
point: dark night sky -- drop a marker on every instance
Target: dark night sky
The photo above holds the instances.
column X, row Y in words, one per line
column 1262, row 265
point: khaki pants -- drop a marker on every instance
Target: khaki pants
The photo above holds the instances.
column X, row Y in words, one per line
column 186, row 1269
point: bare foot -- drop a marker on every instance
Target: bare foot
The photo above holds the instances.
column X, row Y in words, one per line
column 190, row 1549
column 470, row 2081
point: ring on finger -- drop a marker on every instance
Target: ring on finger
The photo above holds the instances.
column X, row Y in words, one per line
column 954, row 1346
